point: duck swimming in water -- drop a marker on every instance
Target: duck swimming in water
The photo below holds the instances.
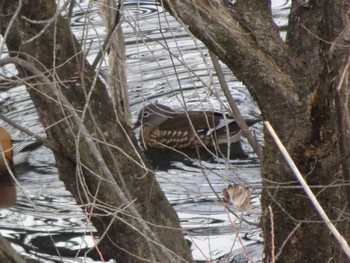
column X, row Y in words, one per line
column 162, row 127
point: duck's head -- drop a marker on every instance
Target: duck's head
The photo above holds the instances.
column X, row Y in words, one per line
column 153, row 115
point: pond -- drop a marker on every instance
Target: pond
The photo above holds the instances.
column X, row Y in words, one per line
column 164, row 64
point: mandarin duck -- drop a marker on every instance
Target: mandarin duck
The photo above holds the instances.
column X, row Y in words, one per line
column 15, row 153
column 162, row 127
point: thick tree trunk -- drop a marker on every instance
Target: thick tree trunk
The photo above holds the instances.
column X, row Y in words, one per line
column 97, row 157
column 115, row 47
column 295, row 85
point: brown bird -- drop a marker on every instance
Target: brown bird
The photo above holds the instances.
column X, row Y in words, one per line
column 7, row 187
column 162, row 127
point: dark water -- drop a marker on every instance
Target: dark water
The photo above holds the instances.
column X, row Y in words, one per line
column 163, row 64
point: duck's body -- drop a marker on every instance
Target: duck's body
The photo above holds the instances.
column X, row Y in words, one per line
column 7, row 187
column 162, row 127
column 10, row 156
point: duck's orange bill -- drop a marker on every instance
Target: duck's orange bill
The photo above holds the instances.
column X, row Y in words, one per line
column 7, row 187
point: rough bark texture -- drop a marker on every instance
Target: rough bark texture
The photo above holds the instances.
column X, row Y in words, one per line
column 295, row 85
column 56, row 53
column 112, row 15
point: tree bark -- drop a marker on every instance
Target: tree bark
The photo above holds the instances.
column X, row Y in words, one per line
column 97, row 161
column 295, row 85
column 115, row 47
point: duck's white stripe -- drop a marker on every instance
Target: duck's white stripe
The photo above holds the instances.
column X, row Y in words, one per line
column 20, row 158
column 235, row 138
column 21, row 151
column 222, row 123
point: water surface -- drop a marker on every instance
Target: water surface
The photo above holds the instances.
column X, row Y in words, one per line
column 164, row 64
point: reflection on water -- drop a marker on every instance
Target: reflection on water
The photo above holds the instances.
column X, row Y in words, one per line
column 164, row 64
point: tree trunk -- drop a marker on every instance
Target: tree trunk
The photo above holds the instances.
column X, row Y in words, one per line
column 115, row 47
column 97, row 159
column 301, row 87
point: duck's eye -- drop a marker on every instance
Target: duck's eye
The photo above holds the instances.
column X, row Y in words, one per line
column 146, row 114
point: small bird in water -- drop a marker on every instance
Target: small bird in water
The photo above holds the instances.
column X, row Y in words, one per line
column 162, row 127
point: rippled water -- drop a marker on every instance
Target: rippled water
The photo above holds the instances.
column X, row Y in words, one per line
column 163, row 64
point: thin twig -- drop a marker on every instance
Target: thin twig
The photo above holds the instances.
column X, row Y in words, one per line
column 234, row 108
column 272, row 236
column 9, row 26
column 49, row 144
column 238, row 236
